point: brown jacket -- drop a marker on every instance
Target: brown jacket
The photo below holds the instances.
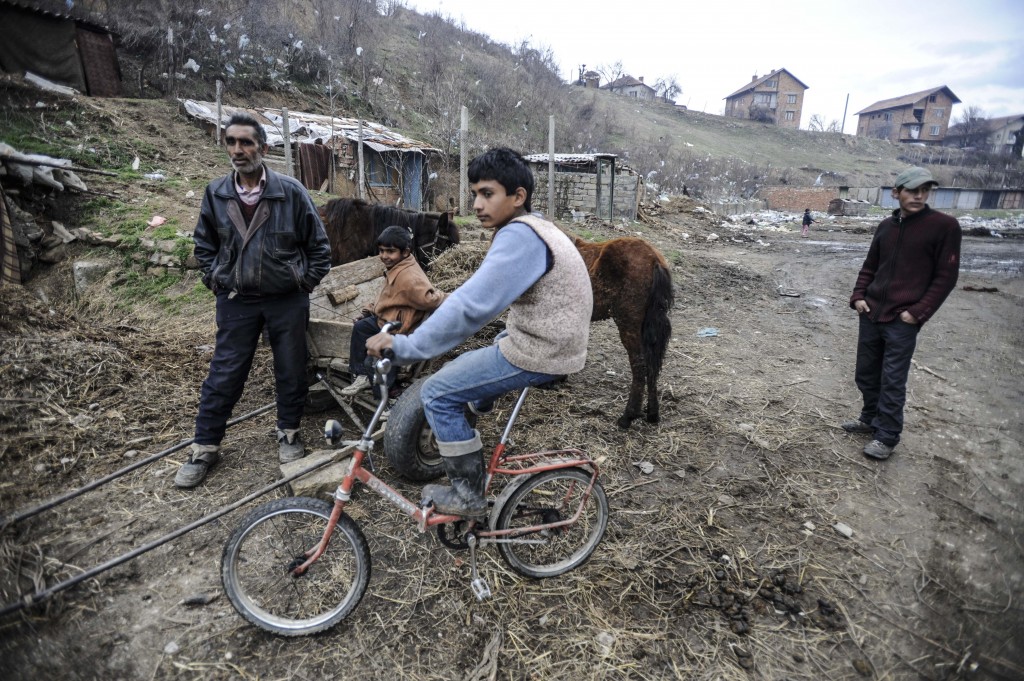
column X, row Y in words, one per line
column 407, row 296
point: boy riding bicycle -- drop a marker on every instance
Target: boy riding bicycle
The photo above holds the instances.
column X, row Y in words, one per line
column 535, row 271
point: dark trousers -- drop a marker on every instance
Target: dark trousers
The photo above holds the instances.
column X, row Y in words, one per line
column 884, row 351
column 362, row 331
column 239, row 325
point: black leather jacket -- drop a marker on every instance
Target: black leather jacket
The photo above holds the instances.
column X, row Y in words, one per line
column 285, row 249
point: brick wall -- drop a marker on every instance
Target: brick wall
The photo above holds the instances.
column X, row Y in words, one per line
column 795, row 199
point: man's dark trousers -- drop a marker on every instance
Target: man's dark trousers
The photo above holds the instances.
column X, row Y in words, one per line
column 884, row 351
column 239, row 326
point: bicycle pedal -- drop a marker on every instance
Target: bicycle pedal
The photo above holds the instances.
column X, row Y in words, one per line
column 480, row 589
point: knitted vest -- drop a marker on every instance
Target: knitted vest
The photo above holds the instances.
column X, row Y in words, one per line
column 549, row 325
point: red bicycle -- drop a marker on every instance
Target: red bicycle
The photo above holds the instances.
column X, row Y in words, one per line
column 299, row 565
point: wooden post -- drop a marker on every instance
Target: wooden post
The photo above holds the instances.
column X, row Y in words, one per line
column 220, row 96
column 463, row 159
column 362, row 182
column 286, row 133
column 552, row 209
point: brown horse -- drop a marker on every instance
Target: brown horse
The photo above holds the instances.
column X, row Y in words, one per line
column 633, row 286
column 353, row 226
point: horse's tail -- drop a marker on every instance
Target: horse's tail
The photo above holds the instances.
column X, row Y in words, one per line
column 657, row 328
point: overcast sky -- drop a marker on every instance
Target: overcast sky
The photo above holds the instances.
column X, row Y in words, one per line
column 869, row 49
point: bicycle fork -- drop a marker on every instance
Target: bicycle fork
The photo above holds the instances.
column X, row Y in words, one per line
column 478, row 583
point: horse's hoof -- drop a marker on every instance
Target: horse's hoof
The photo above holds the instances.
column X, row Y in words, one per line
column 625, row 422
column 653, row 418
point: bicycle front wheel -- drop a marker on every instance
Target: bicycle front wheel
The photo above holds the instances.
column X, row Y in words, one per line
column 546, row 498
column 271, row 540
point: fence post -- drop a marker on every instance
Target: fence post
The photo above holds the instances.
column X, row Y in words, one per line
column 286, row 133
column 463, row 159
column 552, row 209
column 362, row 182
column 220, row 96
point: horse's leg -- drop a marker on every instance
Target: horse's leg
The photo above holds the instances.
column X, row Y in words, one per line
column 653, row 415
column 630, row 336
column 657, row 332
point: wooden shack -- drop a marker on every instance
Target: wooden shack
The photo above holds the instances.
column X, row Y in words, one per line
column 325, row 153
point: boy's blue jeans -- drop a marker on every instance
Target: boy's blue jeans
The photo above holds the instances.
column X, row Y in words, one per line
column 479, row 376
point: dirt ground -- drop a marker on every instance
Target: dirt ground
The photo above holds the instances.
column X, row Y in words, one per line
column 722, row 562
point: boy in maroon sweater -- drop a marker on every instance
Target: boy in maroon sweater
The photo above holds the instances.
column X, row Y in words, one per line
column 912, row 265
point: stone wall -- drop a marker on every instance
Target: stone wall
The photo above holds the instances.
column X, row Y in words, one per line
column 578, row 192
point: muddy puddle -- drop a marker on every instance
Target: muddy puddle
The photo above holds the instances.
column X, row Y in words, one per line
column 989, row 256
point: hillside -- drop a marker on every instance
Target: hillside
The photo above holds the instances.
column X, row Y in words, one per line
column 414, row 72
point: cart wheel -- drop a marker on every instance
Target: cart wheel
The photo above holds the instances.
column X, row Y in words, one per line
column 408, row 440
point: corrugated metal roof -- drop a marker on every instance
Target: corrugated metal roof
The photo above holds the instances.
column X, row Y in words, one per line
column 311, row 128
column 567, row 158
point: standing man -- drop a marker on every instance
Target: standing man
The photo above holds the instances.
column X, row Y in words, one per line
column 261, row 248
column 912, row 265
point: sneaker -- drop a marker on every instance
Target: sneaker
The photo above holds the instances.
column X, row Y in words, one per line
column 360, row 384
column 878, row 450
column 857, row 426
column 200, row 461
column 289, row 445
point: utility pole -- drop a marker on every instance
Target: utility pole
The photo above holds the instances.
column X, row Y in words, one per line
column 842, row 128
column 552, row 212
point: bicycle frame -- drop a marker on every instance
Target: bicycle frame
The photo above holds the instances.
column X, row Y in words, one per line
column 500, row 464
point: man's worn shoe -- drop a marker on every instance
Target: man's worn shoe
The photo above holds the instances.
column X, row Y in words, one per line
column 857, row 426
column 878, row 450
column 200, row 461
column 289, row 445
column 359, row 385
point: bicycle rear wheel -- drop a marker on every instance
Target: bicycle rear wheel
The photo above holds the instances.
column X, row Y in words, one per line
column 270, row 541
column 547, row 498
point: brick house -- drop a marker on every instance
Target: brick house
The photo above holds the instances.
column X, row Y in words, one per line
column 776, row 98
column 920, row 117
column 1001, row 135
column 631, row 87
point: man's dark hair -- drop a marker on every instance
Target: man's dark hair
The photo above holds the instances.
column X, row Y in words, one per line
column 246, row 119
column 506, row 167
column 396, row 237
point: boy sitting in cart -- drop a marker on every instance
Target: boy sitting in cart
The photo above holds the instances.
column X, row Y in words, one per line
column 407, row 297
column 533, row 269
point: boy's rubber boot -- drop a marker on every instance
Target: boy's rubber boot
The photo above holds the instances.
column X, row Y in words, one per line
column 465, row 497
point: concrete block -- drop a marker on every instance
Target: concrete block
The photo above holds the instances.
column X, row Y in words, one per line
column 323, row 481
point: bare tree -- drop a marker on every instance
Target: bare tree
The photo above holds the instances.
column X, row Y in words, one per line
column 668, row 88
column 816, row 124
column 610, row 72
column 971, row 127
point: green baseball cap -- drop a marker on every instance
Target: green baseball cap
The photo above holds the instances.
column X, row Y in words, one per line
column 914, row 177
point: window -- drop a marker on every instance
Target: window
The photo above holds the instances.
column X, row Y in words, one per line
column 939, row 113
column 771, row 83
column 915, row 132
column 378, row 173
column 931, row 98
column 790, row 115
column 934, row 132
column 887, row 116
column 791, row 99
